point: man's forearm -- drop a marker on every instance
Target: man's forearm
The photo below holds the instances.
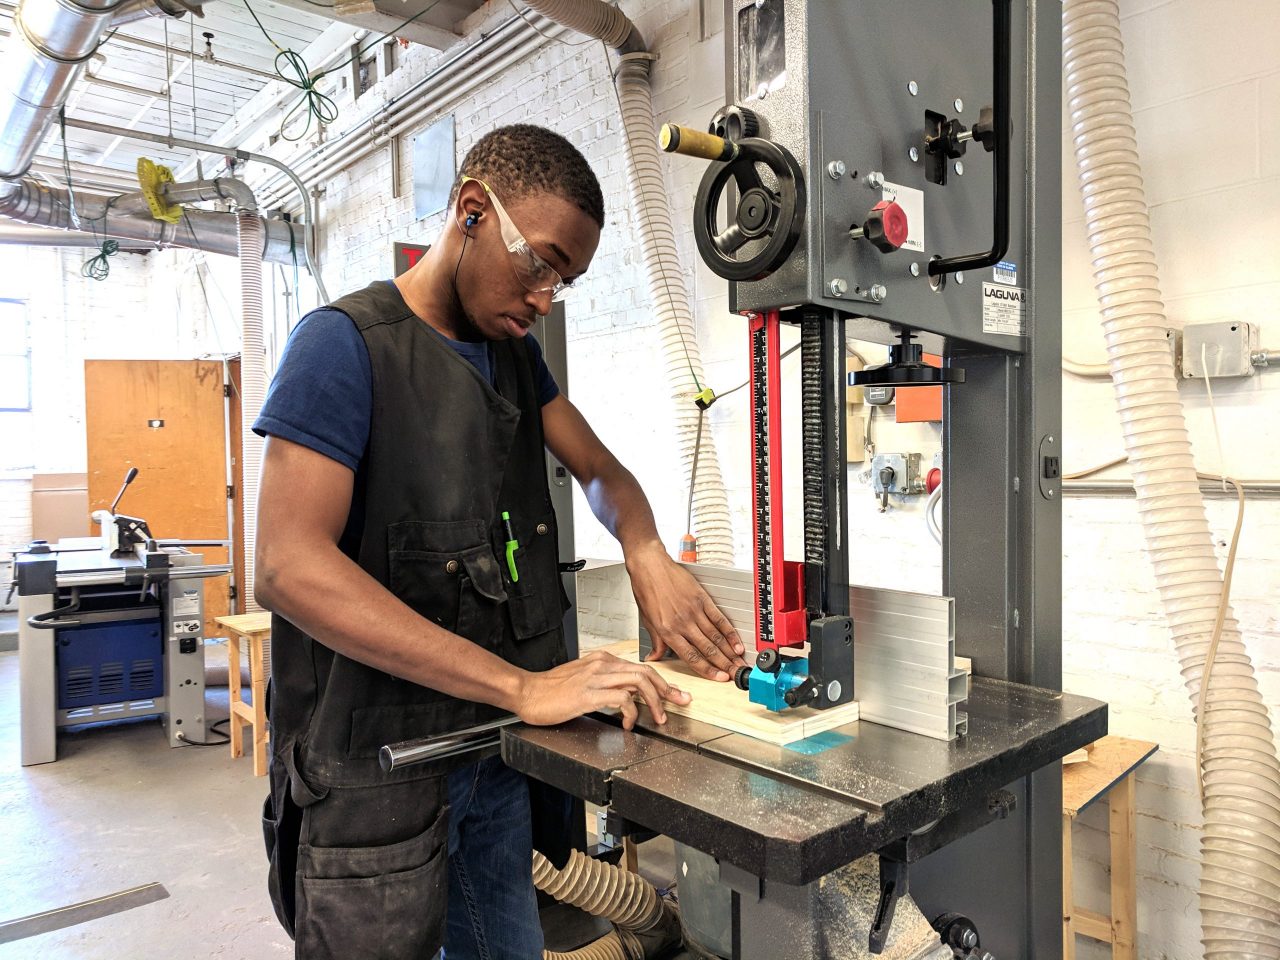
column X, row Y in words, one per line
column 331, row 598
column 618, row 502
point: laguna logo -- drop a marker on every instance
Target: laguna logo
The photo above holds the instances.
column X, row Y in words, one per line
column 1005, row 293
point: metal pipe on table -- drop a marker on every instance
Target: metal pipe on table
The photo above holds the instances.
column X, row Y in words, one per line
column 393, row 756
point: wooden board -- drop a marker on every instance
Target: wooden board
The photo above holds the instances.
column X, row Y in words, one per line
column 1110, row 759
column 724, row 705
column 181, row 489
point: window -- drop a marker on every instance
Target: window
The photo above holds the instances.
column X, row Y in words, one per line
column 15, row 356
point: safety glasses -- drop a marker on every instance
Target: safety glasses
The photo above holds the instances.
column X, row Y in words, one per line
column 531, row 270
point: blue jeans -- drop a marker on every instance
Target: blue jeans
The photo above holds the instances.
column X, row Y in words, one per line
column 493, row 909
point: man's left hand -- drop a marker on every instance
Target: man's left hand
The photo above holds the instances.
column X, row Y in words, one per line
column 680, row 616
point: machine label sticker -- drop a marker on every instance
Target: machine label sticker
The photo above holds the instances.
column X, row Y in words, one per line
column 912, row 203
column 1004, row 309
column 187, row 605
column 1006, row 271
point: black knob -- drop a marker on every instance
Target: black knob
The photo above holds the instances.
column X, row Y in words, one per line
column 735, row 123
column 984, row 131
column 742, row 678
column 768, row 660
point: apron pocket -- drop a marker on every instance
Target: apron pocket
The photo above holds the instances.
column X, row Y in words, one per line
column 537, row 601
column 380, row 903
column 447, row 573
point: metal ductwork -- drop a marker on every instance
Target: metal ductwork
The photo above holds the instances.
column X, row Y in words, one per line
column 126, row 217
column 27, row 235
column 129, row 11
column 51, row 42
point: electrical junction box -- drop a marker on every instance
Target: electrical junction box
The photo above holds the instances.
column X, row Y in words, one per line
column 1215, row 350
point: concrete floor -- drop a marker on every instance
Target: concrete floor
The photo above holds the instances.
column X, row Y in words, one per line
column 119, row 809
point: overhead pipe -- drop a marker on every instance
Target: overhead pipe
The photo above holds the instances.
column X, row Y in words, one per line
column 131, row 11
column 30, row 202
column 197, row 191
column 308, row 240
column 1240, row 843
column 507, row 44
column 681, row 357
column 29, row 235
column 44, row 54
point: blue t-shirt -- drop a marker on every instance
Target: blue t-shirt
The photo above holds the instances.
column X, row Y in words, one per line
column 322, row 393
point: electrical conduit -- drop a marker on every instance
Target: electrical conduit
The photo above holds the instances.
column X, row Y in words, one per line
column 680, row 353
column 1240, row 880
column 253, row 393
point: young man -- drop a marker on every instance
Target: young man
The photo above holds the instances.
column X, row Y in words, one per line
column 406, row 429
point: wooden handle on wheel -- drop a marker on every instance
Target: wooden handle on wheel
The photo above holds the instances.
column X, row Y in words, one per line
column 694, row 143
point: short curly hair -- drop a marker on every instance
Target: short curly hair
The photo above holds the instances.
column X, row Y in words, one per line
column 521, row 159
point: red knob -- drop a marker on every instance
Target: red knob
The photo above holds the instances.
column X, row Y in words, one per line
column 886, row 226
column 933, row 479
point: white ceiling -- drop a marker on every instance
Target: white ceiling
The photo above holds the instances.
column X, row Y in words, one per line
column 242, row 64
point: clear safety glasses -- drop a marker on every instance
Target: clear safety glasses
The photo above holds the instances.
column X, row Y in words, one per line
column 531, row 270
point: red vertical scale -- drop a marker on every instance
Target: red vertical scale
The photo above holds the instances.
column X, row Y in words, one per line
column 780, row 615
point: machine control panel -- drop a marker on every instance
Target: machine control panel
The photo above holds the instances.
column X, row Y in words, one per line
column 897, row 474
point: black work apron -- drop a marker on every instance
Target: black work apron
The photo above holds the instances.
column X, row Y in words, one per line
column 448, row 453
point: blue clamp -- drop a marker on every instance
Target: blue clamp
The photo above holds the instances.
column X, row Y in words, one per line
column 770, row 689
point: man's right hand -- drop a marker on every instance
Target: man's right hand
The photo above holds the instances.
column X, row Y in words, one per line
column 597, row 681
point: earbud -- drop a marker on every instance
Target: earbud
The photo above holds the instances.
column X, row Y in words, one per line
column 471, row 219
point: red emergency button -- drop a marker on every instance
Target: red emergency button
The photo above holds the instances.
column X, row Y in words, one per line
column 933, row 480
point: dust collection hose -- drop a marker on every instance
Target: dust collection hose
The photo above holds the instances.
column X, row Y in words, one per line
column 1240, row 879
column 601, row 889
column 625, row 899
column 678, row 339
column 614, row 945
column 253, row 390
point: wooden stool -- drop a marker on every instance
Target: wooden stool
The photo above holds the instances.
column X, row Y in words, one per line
column 1109, row 772
column 256, row 628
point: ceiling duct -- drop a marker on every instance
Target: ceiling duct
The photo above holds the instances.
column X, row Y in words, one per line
column 42, row 58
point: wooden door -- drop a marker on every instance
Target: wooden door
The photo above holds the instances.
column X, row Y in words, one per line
column 168, row 419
